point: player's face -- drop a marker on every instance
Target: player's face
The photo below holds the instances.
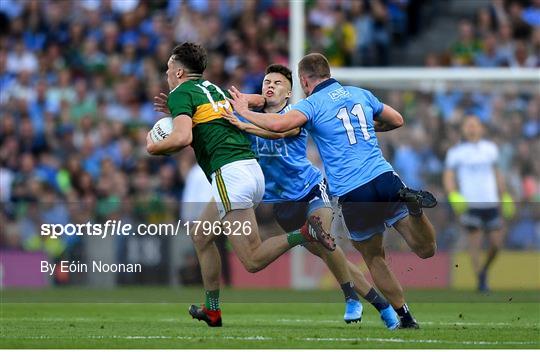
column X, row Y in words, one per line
column 472, row 129
column 276, row 88
column 173, row 73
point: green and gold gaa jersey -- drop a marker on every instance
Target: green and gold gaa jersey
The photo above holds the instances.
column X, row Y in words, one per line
column 216, row 142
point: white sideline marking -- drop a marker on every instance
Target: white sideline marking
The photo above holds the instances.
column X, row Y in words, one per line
column 458, row 323
column 264, row 338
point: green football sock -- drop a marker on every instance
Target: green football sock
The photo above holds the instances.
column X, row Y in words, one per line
column 295, row 238
column 212, row 300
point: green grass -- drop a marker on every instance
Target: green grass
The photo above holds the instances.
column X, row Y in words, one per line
column 137, row 318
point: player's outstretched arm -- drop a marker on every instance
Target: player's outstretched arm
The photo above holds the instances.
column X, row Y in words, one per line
column 268, row 121
column 255, row 101
column 389, row 119
column 255, row 130
column 180, row 137
column 449, row 181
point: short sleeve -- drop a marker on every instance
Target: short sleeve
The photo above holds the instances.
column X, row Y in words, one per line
column 375, row 104
column 305, row 107
column 451, row 160
column 180, row 103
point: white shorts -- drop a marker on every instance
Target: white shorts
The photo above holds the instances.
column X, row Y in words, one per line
column 238, row 185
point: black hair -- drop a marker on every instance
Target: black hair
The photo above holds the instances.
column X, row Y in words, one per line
column 192, row 56
column 284, row 70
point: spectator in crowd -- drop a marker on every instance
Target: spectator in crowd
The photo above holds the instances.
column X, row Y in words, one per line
column 488, row 57
column 467, row 46
column 506, row 34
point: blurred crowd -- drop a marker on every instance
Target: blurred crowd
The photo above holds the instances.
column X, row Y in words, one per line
column 502, row 34
column 77, row 80
column 360, row 33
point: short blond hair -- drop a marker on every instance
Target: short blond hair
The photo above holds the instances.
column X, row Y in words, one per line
column 314, row 66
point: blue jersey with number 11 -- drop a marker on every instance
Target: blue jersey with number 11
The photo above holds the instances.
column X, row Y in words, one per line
column 340, row 121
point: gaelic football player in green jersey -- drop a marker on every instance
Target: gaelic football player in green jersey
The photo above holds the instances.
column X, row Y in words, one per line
column 224, row 153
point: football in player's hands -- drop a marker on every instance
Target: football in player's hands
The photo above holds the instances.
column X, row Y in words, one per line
column 162, row 129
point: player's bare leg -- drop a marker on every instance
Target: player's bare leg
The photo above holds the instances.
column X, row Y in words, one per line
column 347, row 275
column 474, row 238
column 419, row 234
column 207, row 252
column 341, row 268
column 210, row 262
column 253, row 253
column 416, row 228
column 496, row 238
column 373, row 253
column 337, row 263
column 336, row 260
column 361, row 285
column 374, row 256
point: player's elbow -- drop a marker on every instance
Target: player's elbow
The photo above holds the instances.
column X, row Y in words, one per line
column 391, row 118
column 180, row 140
column 187, row 140
column 397, row 120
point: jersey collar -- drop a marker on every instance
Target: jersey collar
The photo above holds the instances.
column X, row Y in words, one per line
column 323, row 85
column 280, row 111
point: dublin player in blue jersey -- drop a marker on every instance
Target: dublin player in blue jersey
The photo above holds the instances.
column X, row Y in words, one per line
column 297, row 190
column 342, row 121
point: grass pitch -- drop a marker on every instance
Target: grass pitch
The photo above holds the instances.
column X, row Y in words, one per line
column 157, row 318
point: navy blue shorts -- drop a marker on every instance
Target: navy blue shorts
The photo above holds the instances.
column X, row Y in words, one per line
column 292, row 215
column 488, row 219
column 374, row 206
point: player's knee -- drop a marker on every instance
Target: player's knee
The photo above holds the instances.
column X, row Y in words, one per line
column 375, row 259
column 373, row 254
column 495, row 246
column 253, row 267
column 426, row 251
column 200, row 241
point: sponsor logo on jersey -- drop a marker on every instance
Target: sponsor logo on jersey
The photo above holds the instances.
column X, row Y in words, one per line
column 276, row 148
column 338, row 94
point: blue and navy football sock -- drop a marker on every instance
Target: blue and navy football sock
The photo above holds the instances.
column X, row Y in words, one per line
column 378, row 301
column 348, row 291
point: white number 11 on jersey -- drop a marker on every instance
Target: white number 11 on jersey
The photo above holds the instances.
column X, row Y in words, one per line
column 357, row 111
